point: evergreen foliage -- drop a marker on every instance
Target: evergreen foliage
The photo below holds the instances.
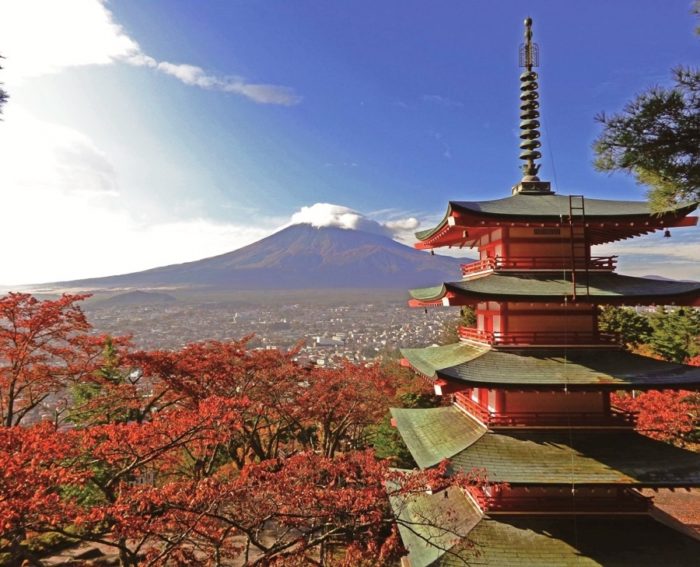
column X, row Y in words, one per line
column 634, row 329
column 388, row 444
column 90, row 403
column 675, row 334
column 656, row 138
column 670, row 334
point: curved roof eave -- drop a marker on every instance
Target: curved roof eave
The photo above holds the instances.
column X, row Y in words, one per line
column 580, row 457
column 584, row 369
column 549, row 207
column 602, row 288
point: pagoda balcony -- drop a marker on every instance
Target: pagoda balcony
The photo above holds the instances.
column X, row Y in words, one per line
column 539, row 338
column 627, row 503
column 538, row 264
column 614, row 418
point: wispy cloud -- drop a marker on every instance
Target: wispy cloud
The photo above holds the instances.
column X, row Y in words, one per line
column 401, row 104
column 39, row 37
column 341, row 164
column 196, row 76
column 446, row 150
column 441, row 100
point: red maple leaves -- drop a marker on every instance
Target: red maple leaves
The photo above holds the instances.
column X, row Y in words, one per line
column 43, row 344
column 198, row 456
column 668, row 415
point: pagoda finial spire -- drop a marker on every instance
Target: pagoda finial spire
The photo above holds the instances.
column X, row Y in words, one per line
column 529, row 116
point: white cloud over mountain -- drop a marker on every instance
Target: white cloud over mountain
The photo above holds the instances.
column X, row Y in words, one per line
column 66, row 219
column 329, row 215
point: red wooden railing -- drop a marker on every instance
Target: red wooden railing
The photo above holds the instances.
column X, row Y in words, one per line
column 530, row 263
column 534, row 338
column 463, row 401
column 615, row 417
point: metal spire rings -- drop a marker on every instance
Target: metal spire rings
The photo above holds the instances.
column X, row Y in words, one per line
column 529, row 113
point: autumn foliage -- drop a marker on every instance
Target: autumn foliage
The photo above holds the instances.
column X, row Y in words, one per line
column 665, row 415
column 199, row 456
column 672, row 335
column 43, row 345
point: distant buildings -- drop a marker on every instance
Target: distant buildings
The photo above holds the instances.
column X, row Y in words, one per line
column 358, row 333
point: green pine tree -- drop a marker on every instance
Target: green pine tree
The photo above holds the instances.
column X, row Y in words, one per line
column 656, row 138
column 633, row 328
column 86, row 407
column 675, row 333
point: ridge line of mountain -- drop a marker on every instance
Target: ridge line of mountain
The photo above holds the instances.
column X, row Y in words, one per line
column 297, row 257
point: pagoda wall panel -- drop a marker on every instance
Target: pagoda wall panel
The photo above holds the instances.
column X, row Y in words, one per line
column 517, row 402
column 491, row 244
column 488, row 306
column 550, row 323
column 564, row 310
column 495, row 235
column 489, row 399
column 492, row 251
column 545, row 249
column 524, row 318
column 536, row 232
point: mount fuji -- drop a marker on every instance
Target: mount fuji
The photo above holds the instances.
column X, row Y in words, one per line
column 297, row 257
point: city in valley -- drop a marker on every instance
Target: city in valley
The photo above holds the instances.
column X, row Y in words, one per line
column 358, row 326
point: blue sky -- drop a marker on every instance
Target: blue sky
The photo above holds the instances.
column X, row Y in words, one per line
column 145, row 133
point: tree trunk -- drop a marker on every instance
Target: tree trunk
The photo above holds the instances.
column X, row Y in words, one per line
column 126, row 558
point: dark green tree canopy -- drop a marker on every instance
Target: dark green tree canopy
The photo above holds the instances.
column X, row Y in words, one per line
column 672, row 334
column 675, row 333
column 656, row 138
column 633, row 328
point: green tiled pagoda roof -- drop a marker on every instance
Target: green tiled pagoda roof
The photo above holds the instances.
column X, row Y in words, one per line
column 518, row 541
column 433, row 293
column 430, row 524
column 431, row 359
column 539, row 205
column 576, row 368
column 548, row 287
column 552, row 207
column 434, row 434
column 463, row 536
column 579, row 456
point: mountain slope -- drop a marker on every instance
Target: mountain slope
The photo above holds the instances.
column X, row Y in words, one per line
column 298, row 257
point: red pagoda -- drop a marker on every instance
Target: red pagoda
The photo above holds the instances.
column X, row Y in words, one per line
column 531, row 384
